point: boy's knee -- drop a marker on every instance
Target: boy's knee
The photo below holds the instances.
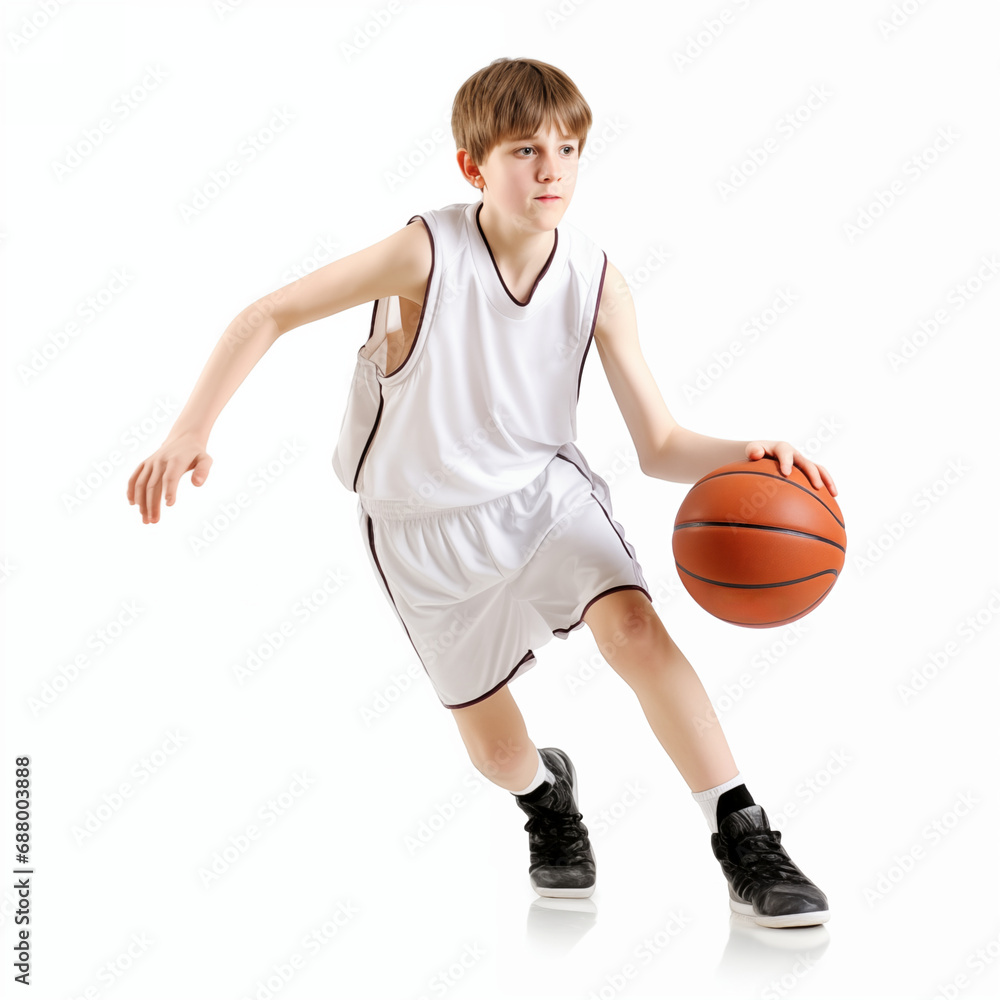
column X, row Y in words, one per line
column 635, row 636
column 499, row 757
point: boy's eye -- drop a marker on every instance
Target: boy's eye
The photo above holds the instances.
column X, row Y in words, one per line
column 523, row 148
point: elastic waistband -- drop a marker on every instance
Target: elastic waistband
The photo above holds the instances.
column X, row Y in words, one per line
column 404, row 510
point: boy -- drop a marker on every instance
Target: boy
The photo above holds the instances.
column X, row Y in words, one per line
column 486, row 528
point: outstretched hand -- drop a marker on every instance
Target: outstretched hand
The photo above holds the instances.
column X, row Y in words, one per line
column 787, row 456
column 162, row 471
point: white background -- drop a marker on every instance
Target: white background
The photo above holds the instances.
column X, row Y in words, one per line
column 332, row 898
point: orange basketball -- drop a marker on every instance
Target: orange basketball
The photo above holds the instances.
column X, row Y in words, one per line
column 756, row 548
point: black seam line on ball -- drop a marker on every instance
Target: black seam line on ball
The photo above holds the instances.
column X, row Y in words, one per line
column 771, row 475
column 782, row 621
column 756, row 586
column 758, row 527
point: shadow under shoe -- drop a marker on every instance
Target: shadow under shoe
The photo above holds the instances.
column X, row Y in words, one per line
column 562, row 860
column 764, row 883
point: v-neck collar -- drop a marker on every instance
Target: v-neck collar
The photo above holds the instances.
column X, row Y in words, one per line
column 489, row 274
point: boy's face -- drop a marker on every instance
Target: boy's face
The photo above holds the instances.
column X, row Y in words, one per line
column 519, row 171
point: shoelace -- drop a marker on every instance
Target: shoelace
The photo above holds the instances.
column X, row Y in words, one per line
column 765, row 860
column 552, row 831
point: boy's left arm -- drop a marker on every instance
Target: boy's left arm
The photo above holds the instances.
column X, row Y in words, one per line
column 665, row 449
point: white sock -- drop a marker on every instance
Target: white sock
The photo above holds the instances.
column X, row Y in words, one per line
column 709, row 800
column 542, row 774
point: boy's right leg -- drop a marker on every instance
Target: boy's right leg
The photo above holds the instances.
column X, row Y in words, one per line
column 495, row 736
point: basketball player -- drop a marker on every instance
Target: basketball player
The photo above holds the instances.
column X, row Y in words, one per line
column 486, row 528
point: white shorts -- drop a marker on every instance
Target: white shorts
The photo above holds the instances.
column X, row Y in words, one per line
column 477, row 588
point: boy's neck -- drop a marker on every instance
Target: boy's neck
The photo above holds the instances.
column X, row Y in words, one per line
column 516, row 252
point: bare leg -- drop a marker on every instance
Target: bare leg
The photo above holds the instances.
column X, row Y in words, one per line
column 632, row 638
column 494, row 733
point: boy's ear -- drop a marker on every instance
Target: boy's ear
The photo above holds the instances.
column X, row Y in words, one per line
column 469, row 170
column 461, row 156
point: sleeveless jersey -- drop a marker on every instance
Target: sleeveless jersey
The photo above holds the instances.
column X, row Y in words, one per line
column 487, row 393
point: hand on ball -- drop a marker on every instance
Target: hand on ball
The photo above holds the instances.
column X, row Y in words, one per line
column 786, row 457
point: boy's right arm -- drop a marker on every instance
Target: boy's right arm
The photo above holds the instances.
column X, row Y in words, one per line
column 398, row 265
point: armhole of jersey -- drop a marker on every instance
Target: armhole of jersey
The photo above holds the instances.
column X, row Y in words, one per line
column 406, row 365
column 593, row 322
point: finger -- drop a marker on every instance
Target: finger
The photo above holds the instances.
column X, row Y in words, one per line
column 828, row 479
column 201, row 467
column 140, row 490
column 158, row 495
column 171, row 480
column 822, row 479
column 153, row 494
column 811, row 470
column 133, row 479
column 815, row 479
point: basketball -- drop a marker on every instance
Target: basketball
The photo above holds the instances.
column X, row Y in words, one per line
column 756, row 548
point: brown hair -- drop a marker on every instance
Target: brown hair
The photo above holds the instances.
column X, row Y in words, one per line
column 512, row 99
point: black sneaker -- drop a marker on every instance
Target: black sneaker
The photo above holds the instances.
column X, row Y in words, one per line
column 562, row 860
column 764, row 882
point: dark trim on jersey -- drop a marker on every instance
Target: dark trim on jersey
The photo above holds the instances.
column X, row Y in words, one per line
column 364, row 451
column 493, row 690
column 371, row 545
column 413, row 344
column 593, row 325
column 527, row 656
column 575, row 466
column 423, row 305
column 541, row 273
column 610, row 590
column 579, row 622
column 626, row 586
column 613, row 528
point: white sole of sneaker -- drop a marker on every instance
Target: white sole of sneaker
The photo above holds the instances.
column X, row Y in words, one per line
column 784, row 920
column 583, row 891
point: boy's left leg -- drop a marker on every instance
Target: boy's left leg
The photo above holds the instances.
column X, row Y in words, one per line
column 634, row 641
column 764, row 882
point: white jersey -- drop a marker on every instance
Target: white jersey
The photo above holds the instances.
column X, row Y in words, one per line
column 488, row 391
